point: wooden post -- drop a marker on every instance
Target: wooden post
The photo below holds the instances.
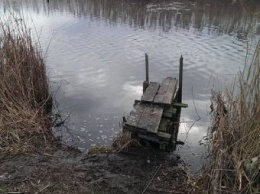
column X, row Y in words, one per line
column 180, row 80
column 179, row 98
column 146, row 82
column 146, row 67
column 176, row 120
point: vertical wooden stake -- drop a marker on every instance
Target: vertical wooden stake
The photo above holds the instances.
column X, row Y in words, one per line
column 180, row 80
column 176, row 119
column 146, row 67
column 146, row 82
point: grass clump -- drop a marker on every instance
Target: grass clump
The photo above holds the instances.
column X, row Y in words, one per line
column 99, row 149
column 124, row 140
column 235, row 152
column 25, row 98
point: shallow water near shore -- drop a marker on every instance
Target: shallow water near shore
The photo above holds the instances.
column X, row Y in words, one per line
column 95, row 52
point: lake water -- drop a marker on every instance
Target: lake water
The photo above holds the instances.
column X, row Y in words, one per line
column 95, row 56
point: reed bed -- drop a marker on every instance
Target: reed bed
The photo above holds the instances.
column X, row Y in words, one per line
column 25, row 98
column 235, row 135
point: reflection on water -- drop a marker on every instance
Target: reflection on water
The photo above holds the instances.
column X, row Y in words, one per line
column 150, row 14
column 98, row 46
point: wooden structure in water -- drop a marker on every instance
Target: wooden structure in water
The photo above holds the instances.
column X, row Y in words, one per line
column 156, row 116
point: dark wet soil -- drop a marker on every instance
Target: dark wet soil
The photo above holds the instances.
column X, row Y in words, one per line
column 133, row 171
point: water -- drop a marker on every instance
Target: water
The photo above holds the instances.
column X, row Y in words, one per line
column 95, row 52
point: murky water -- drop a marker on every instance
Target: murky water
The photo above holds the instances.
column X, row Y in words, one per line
column 96, row 54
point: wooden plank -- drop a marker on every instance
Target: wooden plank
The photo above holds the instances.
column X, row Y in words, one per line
column 146, row 117
column 159, row 135
column 159, row 138
column 164, row 124
column 151, row 118
column 135, row 115
column 182, row 105
column 166, row 91
column 135, row 129
column 169, row 96
column 163, row 135
column 169, row 112
column 155, row 119
column 150, row 92
column 162, row 91
column 150, row 138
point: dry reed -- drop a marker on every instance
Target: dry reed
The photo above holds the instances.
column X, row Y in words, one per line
column 124, row 140
column 25, row 99
column 235, row 142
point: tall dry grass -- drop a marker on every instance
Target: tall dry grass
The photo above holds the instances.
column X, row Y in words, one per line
column 235, row 142
column 25, row 98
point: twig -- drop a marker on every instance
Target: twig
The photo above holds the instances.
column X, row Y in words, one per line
column 45, row 187
column 198, row 119
column 152, row 179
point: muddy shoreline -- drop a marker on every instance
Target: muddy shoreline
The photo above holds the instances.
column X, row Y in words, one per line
column 133, row 171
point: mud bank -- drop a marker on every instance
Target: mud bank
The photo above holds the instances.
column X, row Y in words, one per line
column 134, row 171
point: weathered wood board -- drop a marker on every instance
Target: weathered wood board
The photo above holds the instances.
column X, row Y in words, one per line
column 180, row 105
column 150, row 92
column 161, row 94
column 160, row 137
column 164, row 124
column 146, row 117
column 166, row 91
column 135, row 115
column 169, row 112
column 155, row 119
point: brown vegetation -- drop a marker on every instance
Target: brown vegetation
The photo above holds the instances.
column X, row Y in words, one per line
column 235, row 142
column 25, row 99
